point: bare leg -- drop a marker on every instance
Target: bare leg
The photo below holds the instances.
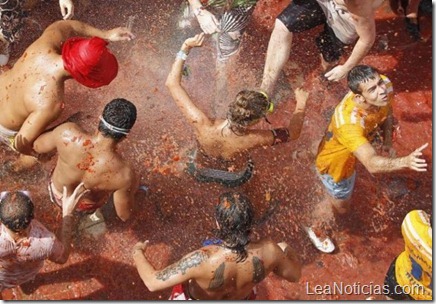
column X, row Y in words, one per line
column 279, row 48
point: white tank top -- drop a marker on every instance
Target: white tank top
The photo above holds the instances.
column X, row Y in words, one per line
column 340, row 20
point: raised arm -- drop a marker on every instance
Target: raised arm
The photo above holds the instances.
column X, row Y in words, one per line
column 374, row 163
column 289, row 266
column 297, row 119
column 188, row 267
column 59, row 31
column 193, row 114
column 363, row 14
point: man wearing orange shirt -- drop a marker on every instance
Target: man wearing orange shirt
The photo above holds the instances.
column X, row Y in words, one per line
column 366, row 107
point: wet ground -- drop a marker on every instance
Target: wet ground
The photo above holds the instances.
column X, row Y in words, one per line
column 177, row 212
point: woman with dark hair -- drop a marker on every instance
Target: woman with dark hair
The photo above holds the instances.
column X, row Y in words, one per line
column 222, row 142
column 228, row 268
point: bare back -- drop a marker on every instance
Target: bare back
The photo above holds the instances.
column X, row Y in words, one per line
column 35, row 83
column 83, row 158
column 222, row 278
column 217, row 140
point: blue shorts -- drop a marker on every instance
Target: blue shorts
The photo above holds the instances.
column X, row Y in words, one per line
column 341, row 190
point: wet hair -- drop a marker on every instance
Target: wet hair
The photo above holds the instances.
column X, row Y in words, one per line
column 234, row 215
column 360, row 74
column 120, row 113
column 16, row 211
column 247, row 107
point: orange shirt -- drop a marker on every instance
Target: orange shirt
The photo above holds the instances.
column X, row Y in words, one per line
column 349, row 128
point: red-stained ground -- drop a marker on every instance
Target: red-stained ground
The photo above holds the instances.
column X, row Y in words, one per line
column 177, row 213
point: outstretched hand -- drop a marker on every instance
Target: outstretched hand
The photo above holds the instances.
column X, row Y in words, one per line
column 208, row 22
column 195, row 41
column 120, row 34
column 67, row 9
column 414, row 161
column 69, row 203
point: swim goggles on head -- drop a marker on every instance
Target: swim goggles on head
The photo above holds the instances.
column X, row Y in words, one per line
column 270, row 106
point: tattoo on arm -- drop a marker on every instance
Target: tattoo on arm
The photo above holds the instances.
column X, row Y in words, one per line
column 259, row 270
column 218, row 277
column 184, row 264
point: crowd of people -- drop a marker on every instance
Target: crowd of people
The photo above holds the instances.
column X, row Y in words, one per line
column 89, row 172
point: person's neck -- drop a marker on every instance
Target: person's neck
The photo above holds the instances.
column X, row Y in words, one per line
column 16, row 236
column 226, row 130
column 104, row 143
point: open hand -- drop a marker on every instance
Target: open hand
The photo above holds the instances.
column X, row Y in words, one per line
column 414, row 161
column 69, row 203
column 195, row 41
column 208, row 22
column 67, row 9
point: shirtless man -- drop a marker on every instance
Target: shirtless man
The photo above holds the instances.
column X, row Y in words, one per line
column 345, row 21
column 230, row 268
column 231, row 138
column 93, row 160
column 32, row 94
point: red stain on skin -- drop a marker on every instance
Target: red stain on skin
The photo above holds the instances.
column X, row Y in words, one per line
column 87, row 163
column 87, row 142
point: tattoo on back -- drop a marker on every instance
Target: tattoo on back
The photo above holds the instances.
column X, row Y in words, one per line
column 259, row 270
column 184, row 264
column 218, row 277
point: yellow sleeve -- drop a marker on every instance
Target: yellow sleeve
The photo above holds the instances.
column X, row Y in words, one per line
column 351, row 136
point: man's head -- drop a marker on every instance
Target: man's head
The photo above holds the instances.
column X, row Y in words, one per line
column 367, row 85
column 234, row 216
column 89, row 61
column 248, row 107
column 16, row 210
column 117, row 119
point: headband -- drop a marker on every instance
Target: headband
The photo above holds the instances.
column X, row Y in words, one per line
column 113, row 128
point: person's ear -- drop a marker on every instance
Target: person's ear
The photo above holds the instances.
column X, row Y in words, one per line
column 359, row 99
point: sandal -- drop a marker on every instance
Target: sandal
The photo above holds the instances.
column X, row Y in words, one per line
column 325, row 245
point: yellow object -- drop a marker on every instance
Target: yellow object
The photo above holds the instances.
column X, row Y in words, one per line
column 270, row 106
column 349, row 128
column 413, row 267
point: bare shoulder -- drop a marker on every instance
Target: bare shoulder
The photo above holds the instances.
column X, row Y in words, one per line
column 69, row 129
column 265, row 247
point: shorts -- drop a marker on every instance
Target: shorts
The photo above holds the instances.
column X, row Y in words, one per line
column 391, row 283
column 303, row 15
column 341, row 190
